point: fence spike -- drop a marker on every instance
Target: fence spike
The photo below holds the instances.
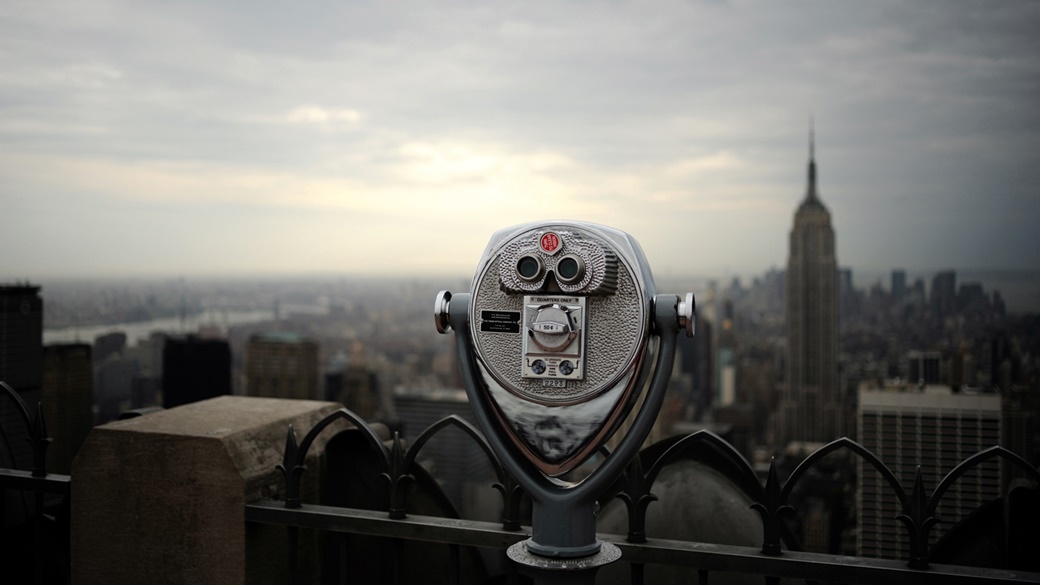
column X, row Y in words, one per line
column 398, row 476
column 637, row 498
column 772, row 509
column 918, row 518
column 292, row 469
column 40, row 442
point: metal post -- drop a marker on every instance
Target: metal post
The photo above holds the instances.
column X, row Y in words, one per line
column 293, row 534
column 39, row 552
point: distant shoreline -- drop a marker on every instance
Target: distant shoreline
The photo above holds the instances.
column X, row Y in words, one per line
column 143, row 329
column 1020, row 290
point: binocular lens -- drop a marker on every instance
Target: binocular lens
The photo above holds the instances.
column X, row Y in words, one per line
column 529, row 268
column 570, row 269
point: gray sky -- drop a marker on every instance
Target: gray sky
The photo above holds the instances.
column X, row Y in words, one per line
column 165, row 138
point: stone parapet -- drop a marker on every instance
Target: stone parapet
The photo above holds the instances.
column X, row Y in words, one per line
column 161, row 497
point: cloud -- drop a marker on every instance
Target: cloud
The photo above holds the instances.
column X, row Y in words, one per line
column 87, row 76
column 684, row 123
column 185, row 182
column 720, row 161
column 325, row 117
column 415, row 177
column 446, row 161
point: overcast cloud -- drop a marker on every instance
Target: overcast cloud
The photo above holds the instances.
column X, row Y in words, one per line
column 166, row 138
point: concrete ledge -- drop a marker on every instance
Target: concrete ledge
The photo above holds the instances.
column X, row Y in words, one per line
column 161, row 497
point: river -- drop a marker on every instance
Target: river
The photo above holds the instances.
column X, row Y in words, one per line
column 142, row 329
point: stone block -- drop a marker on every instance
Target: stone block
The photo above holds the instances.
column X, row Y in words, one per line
column 161, row 497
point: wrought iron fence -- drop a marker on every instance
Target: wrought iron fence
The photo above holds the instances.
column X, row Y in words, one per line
column 50, row 563
column 772, row 560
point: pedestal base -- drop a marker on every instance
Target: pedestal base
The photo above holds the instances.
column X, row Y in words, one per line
column 608, row 553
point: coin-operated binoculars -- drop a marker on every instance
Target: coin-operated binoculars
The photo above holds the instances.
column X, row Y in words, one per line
column 560, row 336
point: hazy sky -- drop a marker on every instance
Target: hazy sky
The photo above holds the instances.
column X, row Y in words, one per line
column 173, row 138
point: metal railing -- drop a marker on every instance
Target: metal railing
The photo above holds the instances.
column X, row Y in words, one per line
column 772, row 561
column 37, row 482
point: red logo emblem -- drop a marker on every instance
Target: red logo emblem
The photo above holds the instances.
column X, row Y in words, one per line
column 550, row 242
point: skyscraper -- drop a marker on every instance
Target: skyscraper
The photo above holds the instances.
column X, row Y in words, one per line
column 195, row 369
column 923, row 367
column 458, row 463
column 696, row 361
column 21, row 368
column 68, row 401
column 726, row 359
column 810, row 406
column 931, row 428
column 943, row 298
column 282, row 365
column 21, row 365
column 898, row 285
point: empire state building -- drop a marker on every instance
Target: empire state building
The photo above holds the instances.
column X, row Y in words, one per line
column 810, row 406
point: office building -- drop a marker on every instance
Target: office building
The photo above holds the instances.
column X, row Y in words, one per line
column 898, row 285
column 972, row 300
column 456, row 460
column 282, row 365
column 810, row 406
column 146, row 390
column 68, row 401
column 943, row 297
column 924, row 367
column 195, row 369
column 932, row 428
column 694, row 355
column 21, row 365
column 21, row 368
column 726, row 359
column 113, row 385
column 848, row 300
column 357, row 388
column 109, row 344
column 1020, row 422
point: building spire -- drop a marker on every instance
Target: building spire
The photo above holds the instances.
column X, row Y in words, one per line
column 812, row 139
column 810, row 195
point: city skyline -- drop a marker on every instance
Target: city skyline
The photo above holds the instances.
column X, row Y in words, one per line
column 153, row 140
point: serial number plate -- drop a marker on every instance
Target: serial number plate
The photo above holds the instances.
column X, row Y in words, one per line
column 557, row 383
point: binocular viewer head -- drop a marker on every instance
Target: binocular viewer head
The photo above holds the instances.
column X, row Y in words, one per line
column 560, row 328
